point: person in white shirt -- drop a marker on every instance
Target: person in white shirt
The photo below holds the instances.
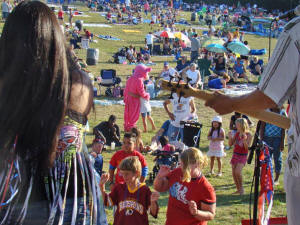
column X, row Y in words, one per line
column 145, row 111
column 5, row 9
column 182, row 111
column 194, row 74
column 149, row 41
column 167, row 71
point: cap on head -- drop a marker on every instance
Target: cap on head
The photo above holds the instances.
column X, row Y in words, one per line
column 166, row 63
column 217, row 119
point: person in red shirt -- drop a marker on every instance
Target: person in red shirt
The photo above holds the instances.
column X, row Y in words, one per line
column 126, row 151
column 192, row 198
column 87, row 34
column 241, row 141
column 60, row 14
column 132, row 198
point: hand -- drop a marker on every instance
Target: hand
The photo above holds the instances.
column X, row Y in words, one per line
column 221, row 103
column 104, row 179
column 94, row 154
column 163, row 171
column 193, row 208
column 154, row 196
column 113, row 129
column 172, row 117
column 281, row 148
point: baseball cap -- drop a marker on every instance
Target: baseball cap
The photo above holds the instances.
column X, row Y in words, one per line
column 166, row 63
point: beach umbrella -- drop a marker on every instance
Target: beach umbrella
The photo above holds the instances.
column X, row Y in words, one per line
column 183, row 37
column 238, row 47
column 167, row 34
column 212, row 40
column 217, row 48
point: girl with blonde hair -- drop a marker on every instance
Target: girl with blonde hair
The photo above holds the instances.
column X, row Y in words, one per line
column 192, row 198
column 241, row 141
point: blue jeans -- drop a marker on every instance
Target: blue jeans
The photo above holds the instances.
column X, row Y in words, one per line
column 174, row 133
column 274, row 144
column 194, row 55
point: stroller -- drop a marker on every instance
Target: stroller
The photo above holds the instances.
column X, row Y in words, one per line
column 191, row 133
column 164, row 158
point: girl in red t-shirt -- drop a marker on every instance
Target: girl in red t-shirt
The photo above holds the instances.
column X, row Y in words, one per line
column 192, row 198
column 241, row 141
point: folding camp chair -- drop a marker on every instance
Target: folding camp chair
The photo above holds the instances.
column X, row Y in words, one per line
column 203, row 66
column 108, row 78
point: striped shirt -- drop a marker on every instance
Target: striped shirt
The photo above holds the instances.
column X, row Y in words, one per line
column 281, row 81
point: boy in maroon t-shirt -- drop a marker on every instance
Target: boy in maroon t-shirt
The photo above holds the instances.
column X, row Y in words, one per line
column 132, row 198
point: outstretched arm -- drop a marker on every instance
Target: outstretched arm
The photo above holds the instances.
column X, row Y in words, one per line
column 254, row 101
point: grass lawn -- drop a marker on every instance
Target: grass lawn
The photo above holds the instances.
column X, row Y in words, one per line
column 230, row 209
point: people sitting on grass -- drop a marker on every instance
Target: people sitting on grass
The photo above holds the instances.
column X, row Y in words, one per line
column 219, row 83
column 256, row 66
column 192, row 73
column 219, row 65
column 131, row 54
column 239, row 70
column 108, row 131
column 182, row 63
column 168, row 71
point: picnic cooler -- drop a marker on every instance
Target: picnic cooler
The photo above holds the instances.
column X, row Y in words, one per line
column 92, row 56
column 191, row 133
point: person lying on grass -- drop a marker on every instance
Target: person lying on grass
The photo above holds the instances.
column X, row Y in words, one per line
column 132, row 198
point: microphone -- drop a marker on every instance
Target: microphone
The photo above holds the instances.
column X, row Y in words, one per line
column 290, row 14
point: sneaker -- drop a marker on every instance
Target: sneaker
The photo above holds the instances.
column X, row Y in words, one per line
column 276, row 183
column 219, row 174
column 227, row 147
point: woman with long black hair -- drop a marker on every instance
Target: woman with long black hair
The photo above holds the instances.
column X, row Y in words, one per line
column 45, row 174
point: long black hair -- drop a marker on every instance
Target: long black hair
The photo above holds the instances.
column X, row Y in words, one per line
column 34, row 82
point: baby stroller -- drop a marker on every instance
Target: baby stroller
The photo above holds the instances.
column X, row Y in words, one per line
column 164, row 158
column 191, row 133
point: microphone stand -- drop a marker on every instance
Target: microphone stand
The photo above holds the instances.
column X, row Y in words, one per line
column 255, row 147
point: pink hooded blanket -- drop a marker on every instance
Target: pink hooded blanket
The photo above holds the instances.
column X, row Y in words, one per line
column 134, row 88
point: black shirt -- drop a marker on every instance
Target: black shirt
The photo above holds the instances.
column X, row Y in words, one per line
column 107, row 132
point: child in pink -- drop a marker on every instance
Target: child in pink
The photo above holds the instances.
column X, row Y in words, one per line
column 216, row 146
column 241, row 141
column 166, row 146
column 134, row 90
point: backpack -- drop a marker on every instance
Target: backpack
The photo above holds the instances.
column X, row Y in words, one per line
column 117, row 92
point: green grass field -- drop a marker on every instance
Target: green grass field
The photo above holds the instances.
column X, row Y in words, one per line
column 230, row 209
